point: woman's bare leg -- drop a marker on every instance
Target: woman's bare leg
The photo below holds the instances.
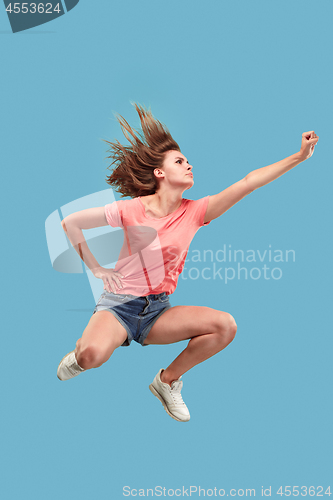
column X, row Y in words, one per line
column 210, row 331
column 100, row 338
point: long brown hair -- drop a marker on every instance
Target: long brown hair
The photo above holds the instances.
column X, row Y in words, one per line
column 133, row 174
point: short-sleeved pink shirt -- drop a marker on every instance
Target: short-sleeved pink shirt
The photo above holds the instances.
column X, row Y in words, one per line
column 154, row 250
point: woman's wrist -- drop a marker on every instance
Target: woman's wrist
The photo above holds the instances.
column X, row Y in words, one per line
column 97, row 269
column 301, row 156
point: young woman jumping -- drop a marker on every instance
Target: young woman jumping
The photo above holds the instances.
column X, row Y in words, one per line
column 158, row 225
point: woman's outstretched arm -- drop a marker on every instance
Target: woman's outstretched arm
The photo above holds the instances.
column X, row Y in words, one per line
column 221, row 202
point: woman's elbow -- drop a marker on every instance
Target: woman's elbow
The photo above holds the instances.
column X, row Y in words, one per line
column 250, row 185
column 63, row 223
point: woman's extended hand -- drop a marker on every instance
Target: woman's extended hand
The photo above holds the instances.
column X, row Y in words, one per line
column 309, row 140
column 110, row 278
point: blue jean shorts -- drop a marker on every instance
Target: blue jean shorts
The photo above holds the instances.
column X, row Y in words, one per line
column 136, row 314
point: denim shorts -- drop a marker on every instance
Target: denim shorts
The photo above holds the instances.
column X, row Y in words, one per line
column 136, row 314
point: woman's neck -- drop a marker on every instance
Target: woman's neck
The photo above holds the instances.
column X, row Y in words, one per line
column 160, row 205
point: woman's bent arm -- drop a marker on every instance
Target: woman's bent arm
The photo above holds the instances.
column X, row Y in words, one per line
column 88, row 219
column 79, row 243
column 73, row 225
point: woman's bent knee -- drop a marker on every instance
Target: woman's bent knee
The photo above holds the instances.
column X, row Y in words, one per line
column 90, row 357
column 227, row 327
column 232, row 327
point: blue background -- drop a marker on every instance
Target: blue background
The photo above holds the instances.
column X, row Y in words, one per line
column 237, row 83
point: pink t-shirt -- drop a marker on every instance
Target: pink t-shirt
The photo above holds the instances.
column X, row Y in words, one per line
column 154, row 250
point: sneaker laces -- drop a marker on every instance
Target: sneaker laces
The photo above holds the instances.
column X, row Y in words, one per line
column 175, row 389
column 74, row 368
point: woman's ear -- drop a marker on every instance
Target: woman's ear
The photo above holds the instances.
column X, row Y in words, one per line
column 158, row 173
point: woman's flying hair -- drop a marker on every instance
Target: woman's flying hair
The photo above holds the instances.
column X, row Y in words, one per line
column 133, row 174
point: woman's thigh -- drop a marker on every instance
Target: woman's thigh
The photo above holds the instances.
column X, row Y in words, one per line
column 103, row 332
column 185, row 322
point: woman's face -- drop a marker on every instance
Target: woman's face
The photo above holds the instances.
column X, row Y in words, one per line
column 176, row 170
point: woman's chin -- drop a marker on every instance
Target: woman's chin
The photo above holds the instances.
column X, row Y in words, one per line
column 190, row 184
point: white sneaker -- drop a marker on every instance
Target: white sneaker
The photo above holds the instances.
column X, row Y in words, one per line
column 170, row 397
column 68, row 367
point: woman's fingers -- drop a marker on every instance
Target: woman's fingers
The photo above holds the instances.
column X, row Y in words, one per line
column 308, row 134
column 309, row 141
column 112, row 287
column 116, row 278
column 118, row 283
column 111, row 280
column 119, row 274
column 108, row 284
